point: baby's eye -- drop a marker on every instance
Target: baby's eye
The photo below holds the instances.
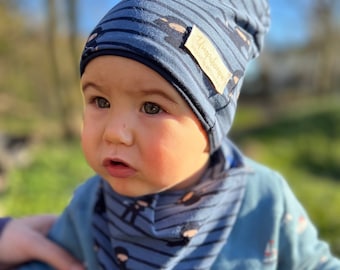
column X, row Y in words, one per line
column 102, row 103
column 151, row 108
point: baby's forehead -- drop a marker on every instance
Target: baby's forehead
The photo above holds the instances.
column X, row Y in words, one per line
column 119, row 72
column 117, row 68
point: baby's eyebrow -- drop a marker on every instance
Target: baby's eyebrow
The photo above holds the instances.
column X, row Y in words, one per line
column 158, row 92
column 88, row 84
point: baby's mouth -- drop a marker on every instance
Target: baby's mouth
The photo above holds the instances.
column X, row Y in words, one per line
column 118, row 168
column 119, row 164
column 115, row 163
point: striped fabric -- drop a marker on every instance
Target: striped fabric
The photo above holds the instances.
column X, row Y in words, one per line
column 201, row 47
column 171, row 230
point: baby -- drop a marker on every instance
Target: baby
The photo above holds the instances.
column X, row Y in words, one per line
column 160, row 81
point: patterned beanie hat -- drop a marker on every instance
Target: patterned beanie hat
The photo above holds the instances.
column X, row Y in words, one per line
column 201, row 47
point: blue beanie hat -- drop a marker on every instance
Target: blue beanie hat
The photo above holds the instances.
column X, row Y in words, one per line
column 201, row 47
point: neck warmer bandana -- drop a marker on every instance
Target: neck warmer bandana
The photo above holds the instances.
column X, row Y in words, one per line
column 201, row 47
column 171, row 230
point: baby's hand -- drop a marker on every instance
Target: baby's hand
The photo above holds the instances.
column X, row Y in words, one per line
column 24, row 239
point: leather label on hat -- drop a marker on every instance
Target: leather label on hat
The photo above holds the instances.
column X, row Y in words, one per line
column 208, row 58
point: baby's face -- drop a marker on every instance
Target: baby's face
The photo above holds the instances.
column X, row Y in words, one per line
column 138, row 133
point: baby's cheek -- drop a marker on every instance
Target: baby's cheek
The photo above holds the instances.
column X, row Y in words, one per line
column 161, row 163
column 90, row 145
column 156, row 159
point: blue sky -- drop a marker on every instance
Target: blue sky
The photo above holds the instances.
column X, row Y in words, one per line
column 289, row 18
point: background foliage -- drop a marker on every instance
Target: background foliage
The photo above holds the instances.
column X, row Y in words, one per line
column 288, row 117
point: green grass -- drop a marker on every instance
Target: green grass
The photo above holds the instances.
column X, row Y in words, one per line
column 48, row 183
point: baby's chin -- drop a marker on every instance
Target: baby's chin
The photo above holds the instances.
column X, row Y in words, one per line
column 133, row 192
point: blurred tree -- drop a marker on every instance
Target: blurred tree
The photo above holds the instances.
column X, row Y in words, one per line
column 325, row 37
column 57, row 85
column 321, row 50
column 310, row 67
column 71, row 6
column 65, row 97
column 39, row 69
